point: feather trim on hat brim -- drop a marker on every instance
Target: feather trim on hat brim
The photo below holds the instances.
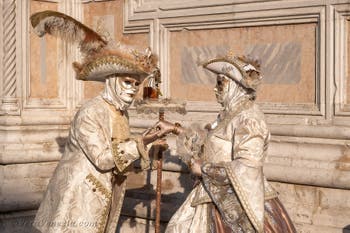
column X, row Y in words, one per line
column 103, row 67
column 233, row 71
column 108, row 62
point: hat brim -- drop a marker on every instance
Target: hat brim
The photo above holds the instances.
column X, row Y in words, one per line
column 102, row 68
column 224, row 67
column 235, row 69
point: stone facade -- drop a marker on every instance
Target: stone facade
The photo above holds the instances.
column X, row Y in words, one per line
column 305, row 46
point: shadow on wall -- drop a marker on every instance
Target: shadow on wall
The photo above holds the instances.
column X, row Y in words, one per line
column 61, row 142
column 346, row 229
column 140, row 202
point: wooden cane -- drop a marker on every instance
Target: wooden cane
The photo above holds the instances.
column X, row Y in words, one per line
column 162, row 148
column 159, row 106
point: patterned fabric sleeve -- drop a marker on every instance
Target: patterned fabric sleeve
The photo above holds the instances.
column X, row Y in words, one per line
column 250, row 142
column 93, row 141
column 100, row 149
column 245, row 172
column 124, row 153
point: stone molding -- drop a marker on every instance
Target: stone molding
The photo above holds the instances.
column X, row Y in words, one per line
column 9, row 104
column 341, row 15
column 160, row 18
column 87, row 1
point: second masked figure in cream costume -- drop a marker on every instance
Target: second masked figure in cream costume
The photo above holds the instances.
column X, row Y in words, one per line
column 227, row 157
column 86, row 191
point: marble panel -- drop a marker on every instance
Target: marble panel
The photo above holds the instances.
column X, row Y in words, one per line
column 287, row 54
column 44, row 77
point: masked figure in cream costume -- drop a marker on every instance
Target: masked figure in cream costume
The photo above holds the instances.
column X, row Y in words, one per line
column 227, row 157
column 86, row 191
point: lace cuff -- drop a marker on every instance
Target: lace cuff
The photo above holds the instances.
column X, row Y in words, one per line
column 189, row 143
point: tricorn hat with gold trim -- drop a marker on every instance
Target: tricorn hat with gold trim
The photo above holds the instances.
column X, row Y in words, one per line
column 101, row 58
column 242, row 70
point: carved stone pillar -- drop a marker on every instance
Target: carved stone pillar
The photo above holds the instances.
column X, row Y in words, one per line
column 9, row 104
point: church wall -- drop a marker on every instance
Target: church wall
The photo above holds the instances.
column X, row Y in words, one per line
column 304, row 47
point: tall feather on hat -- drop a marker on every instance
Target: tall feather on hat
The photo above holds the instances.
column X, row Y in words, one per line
column 101, row 58
column 67, row 28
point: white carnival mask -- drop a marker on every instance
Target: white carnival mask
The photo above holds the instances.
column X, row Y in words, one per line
column 221, row 88
column 126, row 89
column 227, row 91
column 121, row 91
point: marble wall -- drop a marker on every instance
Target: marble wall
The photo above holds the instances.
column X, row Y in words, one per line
column 304, row 49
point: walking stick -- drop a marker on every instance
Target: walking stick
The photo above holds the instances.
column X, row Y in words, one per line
column 161, row 149
column 159, row 106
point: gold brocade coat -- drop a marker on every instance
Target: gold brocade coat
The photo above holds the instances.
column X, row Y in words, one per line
column 86, row 191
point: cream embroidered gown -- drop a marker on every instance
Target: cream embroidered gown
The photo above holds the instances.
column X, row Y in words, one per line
column 233, row 190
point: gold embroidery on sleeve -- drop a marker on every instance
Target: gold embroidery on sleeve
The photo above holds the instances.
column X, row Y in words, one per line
column 119, row 160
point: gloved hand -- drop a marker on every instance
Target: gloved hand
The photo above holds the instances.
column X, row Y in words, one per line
column 165, row 127
column 161, row 129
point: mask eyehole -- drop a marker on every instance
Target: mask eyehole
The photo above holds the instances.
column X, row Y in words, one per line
column 127, row 82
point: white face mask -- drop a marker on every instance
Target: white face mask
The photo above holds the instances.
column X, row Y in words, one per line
column 126, row 89
column 221, row 89
column 121, row 91
column 228, row 92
